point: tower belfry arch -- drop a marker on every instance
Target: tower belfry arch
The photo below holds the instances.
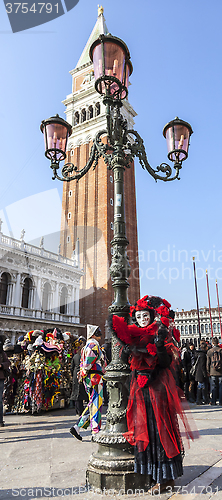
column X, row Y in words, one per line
column 87, row 206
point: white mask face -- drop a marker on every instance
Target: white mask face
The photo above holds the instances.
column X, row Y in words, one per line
column 142, row 318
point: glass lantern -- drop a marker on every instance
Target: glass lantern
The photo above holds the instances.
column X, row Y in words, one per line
column 56, row 132
column 112, row 66
column 177, row 134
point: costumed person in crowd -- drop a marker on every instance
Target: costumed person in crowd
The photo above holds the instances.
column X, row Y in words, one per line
column 11, row 381
column 92, row 367
column 78, row 389
column 155, row 400
column 4, row 371
column 200, row 368
column 214, row 369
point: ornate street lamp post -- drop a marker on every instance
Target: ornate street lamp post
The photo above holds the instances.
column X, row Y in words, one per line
column 112, row 466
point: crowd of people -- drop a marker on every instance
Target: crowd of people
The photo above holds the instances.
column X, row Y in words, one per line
column 201, row 372
column 36, row 374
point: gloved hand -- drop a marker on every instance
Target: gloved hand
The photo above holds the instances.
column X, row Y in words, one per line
column 161, row 335
column 126, row 351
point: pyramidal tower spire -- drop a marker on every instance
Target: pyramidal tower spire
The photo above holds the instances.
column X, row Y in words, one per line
column 100, row 28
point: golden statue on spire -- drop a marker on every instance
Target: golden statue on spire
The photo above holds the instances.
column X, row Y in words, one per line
column 100, row 10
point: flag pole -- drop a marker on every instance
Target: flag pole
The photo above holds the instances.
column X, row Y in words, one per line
column 208, row 291
column 198, row 312
column 218, row 302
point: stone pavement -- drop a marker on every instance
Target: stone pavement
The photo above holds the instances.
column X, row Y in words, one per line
column 40, row 459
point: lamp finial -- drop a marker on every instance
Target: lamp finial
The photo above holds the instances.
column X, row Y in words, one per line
column 100, row 10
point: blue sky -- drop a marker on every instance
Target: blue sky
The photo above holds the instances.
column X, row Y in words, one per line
column 176, row 54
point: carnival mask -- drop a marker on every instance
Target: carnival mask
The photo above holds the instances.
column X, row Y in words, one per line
column 142, row 318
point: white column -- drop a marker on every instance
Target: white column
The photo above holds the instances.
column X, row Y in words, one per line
column 56, row 299
column 76, row 301
column 70, row 302
column 38, row 296
column 17, row 294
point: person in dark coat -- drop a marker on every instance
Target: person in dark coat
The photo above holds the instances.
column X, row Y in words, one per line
column 189, row 359
column 215, row 373
column 201, row 374
column 4, row 365
column 78, row 390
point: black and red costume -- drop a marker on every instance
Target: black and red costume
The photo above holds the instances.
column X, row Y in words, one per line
column 155, row 402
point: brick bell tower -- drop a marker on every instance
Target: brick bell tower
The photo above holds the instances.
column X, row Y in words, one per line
column 87, row 206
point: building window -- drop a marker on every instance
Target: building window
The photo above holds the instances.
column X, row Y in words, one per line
column 206, row 328
column 90, row 112
column 182, row 330
column 70, row 193
column 68, row 239
column 83, row 115
column 190, row 329
column 218, row 327
column 4, row 288
column 46, row 297
column 69, row 215
column 194, row 329
column 26, row 293
column 111, row 202
column 76, row 118
column 64, row 301
column 202, row 328
column 112, row 251
column 111, row 178
column 111, row 225
column 186, row 330
column 97, row 109
column 214, row 327
column 72, row 152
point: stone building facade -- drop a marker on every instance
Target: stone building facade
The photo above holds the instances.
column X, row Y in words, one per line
column 87, row 207
column 38, row 289
column 187, row 323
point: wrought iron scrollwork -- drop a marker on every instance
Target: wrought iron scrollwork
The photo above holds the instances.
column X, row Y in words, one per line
column 120, row 149
column 137, row 149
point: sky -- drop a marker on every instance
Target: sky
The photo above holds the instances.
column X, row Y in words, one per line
column 176, row 54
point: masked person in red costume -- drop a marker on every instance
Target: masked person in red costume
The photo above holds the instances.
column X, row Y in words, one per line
column 155, row 401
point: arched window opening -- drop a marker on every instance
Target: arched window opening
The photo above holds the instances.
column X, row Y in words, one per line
column 182, row 330
column 4, row 288
column 26, row 293
column 64, row 301
column 46, row 297
column 215, row 328
column 186, row 330
column 83, row 115
column 90, row 112
column 97, row 109
column 76, row 118
column 206, row 328
column 190, row 329
column 218, row 327
column 202, row 328
column 194, row 329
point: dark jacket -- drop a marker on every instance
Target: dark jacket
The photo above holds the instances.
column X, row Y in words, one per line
column 210, row 369
column 78, row 389
column 201, row 372
column 4, row 361
column 189, row 359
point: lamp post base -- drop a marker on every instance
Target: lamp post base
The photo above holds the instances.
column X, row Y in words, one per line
column 112, row 466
